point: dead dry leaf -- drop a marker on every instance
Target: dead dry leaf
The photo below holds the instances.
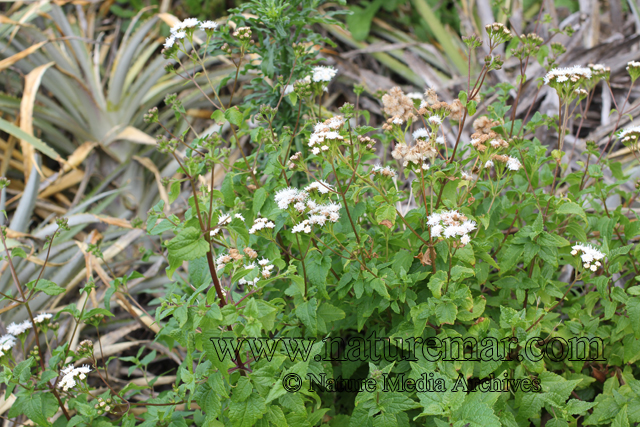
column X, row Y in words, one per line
column 7, row 62
column 31, row 86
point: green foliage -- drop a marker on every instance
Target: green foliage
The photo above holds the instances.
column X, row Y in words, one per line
column 309, row 243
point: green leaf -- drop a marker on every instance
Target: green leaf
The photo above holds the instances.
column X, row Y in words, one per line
column 359, row 22
column 258, row 199
column 247, row 412
column 174, row 191
column 46, row 286
column 188, row 245
column 234, row 116
column 386, row 212
column 446, row 313
column 578, row 407
column 318, row 267
column 14, row 130
column 218, row 116
column 33, row 407
column 571, row 208
column 330, row 313
column 436, row 282
column 633, row 310
column 621, row 419
column 379, row 286
column 307, row 313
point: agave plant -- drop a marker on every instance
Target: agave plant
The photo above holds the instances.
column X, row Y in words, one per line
column 98, row 87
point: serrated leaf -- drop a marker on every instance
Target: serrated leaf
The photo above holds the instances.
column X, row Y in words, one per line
column 188, row 245
column 386, row 212
column 570, row 208
column 46, row 286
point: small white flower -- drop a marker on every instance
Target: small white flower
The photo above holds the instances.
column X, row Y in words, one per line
column 239, row 216
column 465, row 239
column 317, row 219
column 6, row 344
column 19, row 328
column 435, row 120
column 397, row 120
column 421, row 133
column 250, row 266
column 466, row 176
column 224, row 219
column 321, row 186
column 489, row 164
column 589, row 255
column 414, row 95
column 208, row 25
column 323, row 74
column 177, row 28
column 425, row 167
column 263, row 262
column 303, row 226
column 288, row 89
column 190, row 23
column 42, row 317
column 513, row 164
column 335, row 122
column 69, row 373
column 440, row 140
column 180, row 35
column 286, row 196
column 213, row 232
column 169, row 42
column 259, row 224
column 315, row 151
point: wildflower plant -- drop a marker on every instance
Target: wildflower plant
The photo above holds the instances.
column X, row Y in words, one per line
column 327, row 227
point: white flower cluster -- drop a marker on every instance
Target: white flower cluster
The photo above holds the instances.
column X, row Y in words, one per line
column 435, row 120
column 323, row 74
column 321, row 186
column 260, row 224
column 450, row 224
column 17, row 329
column 572, row 74
column 40, row 318
column 513, row 164
column 69, row 376
column 319, row 213
column 178, row 30
column 415, row 95
column 629, row 134
column 591, row 257
column 379, row 170
column 6, row 343
column 421, row 133
column 324, row 131
column 289, row 195
column 633, row 64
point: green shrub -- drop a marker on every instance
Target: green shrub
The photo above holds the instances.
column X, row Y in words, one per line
column 314, row 238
